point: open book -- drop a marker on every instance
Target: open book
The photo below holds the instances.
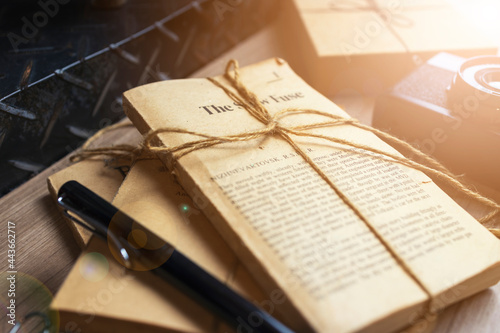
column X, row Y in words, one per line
column 289, row 227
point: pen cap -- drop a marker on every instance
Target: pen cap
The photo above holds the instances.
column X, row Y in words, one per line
column 87, row 205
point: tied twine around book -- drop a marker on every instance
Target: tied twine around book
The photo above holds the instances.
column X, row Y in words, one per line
column 249, row 101
column 272, row 127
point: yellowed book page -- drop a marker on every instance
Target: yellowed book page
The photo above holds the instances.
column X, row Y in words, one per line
column 277, row 213
column 344, row 28
column 98, row 287
column 101, row 293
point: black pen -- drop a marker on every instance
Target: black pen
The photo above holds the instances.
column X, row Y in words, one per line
column 137, row 248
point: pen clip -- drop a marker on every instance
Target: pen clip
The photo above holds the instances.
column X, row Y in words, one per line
column 119, row 247
column 120, row 250
column 82, row 223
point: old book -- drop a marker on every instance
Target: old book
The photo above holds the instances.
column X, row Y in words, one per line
column 366, row 46
column 101, row 296
column 418, row 252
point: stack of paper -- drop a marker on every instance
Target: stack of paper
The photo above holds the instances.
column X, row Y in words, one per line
column 274, row 230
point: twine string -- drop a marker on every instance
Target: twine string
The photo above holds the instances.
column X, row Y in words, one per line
column 249, row 101
column 241, row 95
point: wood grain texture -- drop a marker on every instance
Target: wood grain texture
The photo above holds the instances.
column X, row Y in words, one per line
column 46, row 249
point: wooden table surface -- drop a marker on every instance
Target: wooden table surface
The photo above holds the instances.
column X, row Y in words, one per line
column 45, row 249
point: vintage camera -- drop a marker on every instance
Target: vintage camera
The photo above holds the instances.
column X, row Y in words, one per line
column 449, row 108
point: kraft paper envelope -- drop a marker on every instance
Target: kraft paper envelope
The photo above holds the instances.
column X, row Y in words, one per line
column 102, row 175
column 367, row 45
column 97, row 176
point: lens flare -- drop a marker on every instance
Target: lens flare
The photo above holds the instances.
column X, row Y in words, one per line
column 31, row 296
column 94, row 267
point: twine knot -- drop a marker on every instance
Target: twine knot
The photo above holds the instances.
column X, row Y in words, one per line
column 273, row 126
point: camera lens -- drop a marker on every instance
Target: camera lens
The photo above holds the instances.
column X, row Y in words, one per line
column 489, row 78
column 475, row 90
